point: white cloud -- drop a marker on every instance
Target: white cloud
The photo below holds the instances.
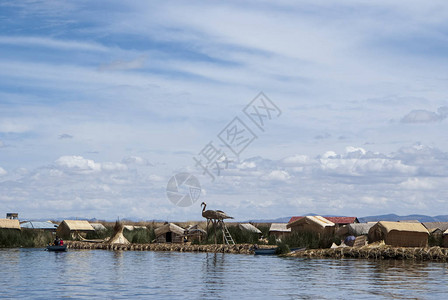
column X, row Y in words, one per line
column 135, row 160
column 425, row 116
column 276, row 175
column 417, row 184
column 296, row 160
column 329, row 154
column 2, row 171
column 247, row 165
column 78, row 163
column 109, row 166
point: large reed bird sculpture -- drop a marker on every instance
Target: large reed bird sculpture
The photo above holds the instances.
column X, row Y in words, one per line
column 216, row 217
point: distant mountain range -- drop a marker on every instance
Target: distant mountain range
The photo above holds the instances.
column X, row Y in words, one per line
column 394, row 217
column 389, row 217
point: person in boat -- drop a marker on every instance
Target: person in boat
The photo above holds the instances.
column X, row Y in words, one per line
column 56, row 241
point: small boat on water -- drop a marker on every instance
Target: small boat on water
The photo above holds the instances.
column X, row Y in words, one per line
column 272, row 251
column 269, row 251
column 57, row 248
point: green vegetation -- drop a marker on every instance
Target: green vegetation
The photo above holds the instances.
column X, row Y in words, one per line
column 309, row 240
column 435, row 240
column 238, row 235
column 100, row 234
column 29, row 238
column 140, row 235
column 282, row 248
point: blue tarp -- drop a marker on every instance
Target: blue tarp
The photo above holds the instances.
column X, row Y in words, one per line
column 39, row 225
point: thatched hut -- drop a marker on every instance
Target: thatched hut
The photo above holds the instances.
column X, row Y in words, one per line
column 445, row 239
column 169, row 233
column 436, row 228
column 279, row 230
column 399, row 234
column 36, row 225
column 359, row 229
column 247, row 227
column 194, row 233
column 313, row 224
column 74, row 229
column 9, row 224
column 118, row 237
column 98, row 226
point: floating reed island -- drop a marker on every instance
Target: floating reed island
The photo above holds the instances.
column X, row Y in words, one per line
column 367, row 252
column 220, row 248
column 379, row 252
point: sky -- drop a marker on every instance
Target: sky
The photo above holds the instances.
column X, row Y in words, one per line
column 102, row 103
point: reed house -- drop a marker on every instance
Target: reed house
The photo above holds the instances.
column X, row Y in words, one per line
column 399, row 234
column 74, row 229
column 169, row 233
column 312, row 224
column 279, row 230
column 9, row 224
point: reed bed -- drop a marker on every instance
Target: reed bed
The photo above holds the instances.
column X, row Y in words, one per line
column 238, row 248
column 27, row 238
column 381, row 252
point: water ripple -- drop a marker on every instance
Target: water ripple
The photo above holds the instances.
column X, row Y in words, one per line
column 90, row 274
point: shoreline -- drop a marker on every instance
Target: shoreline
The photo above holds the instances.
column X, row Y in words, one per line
column 377, row 253
column 235, row 249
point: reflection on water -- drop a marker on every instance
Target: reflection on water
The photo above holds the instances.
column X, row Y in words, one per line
column 34, row 273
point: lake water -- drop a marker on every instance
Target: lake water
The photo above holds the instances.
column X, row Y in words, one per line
column 38, row 274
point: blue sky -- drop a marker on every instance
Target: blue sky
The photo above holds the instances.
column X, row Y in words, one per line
column 101, row 103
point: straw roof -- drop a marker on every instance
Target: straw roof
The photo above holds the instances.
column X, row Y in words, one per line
column 431, row 226
column 140, row 227
column 118, row 237
column 170, row 227
column 279, row 227
column 79, row 225
column 402, row 226
column 318, row 220
column 357, row 229
column 9, row 224
column 132, row 227
column 194, row 229
column 98, row 226
column 249, row 227
column 446, row 232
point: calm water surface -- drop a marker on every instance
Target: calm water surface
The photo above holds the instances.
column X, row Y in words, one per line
column 37, row 274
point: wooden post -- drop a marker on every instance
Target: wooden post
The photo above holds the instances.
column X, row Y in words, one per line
column 214, row 226
column 222, row 229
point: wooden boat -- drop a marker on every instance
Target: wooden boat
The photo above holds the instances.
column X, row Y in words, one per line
column 269, row 251
column 272, row 251
column 57, row 248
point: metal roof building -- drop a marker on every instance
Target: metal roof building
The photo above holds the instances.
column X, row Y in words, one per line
column 39, row 225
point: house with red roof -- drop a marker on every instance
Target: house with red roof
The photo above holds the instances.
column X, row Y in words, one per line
column 338, row 221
